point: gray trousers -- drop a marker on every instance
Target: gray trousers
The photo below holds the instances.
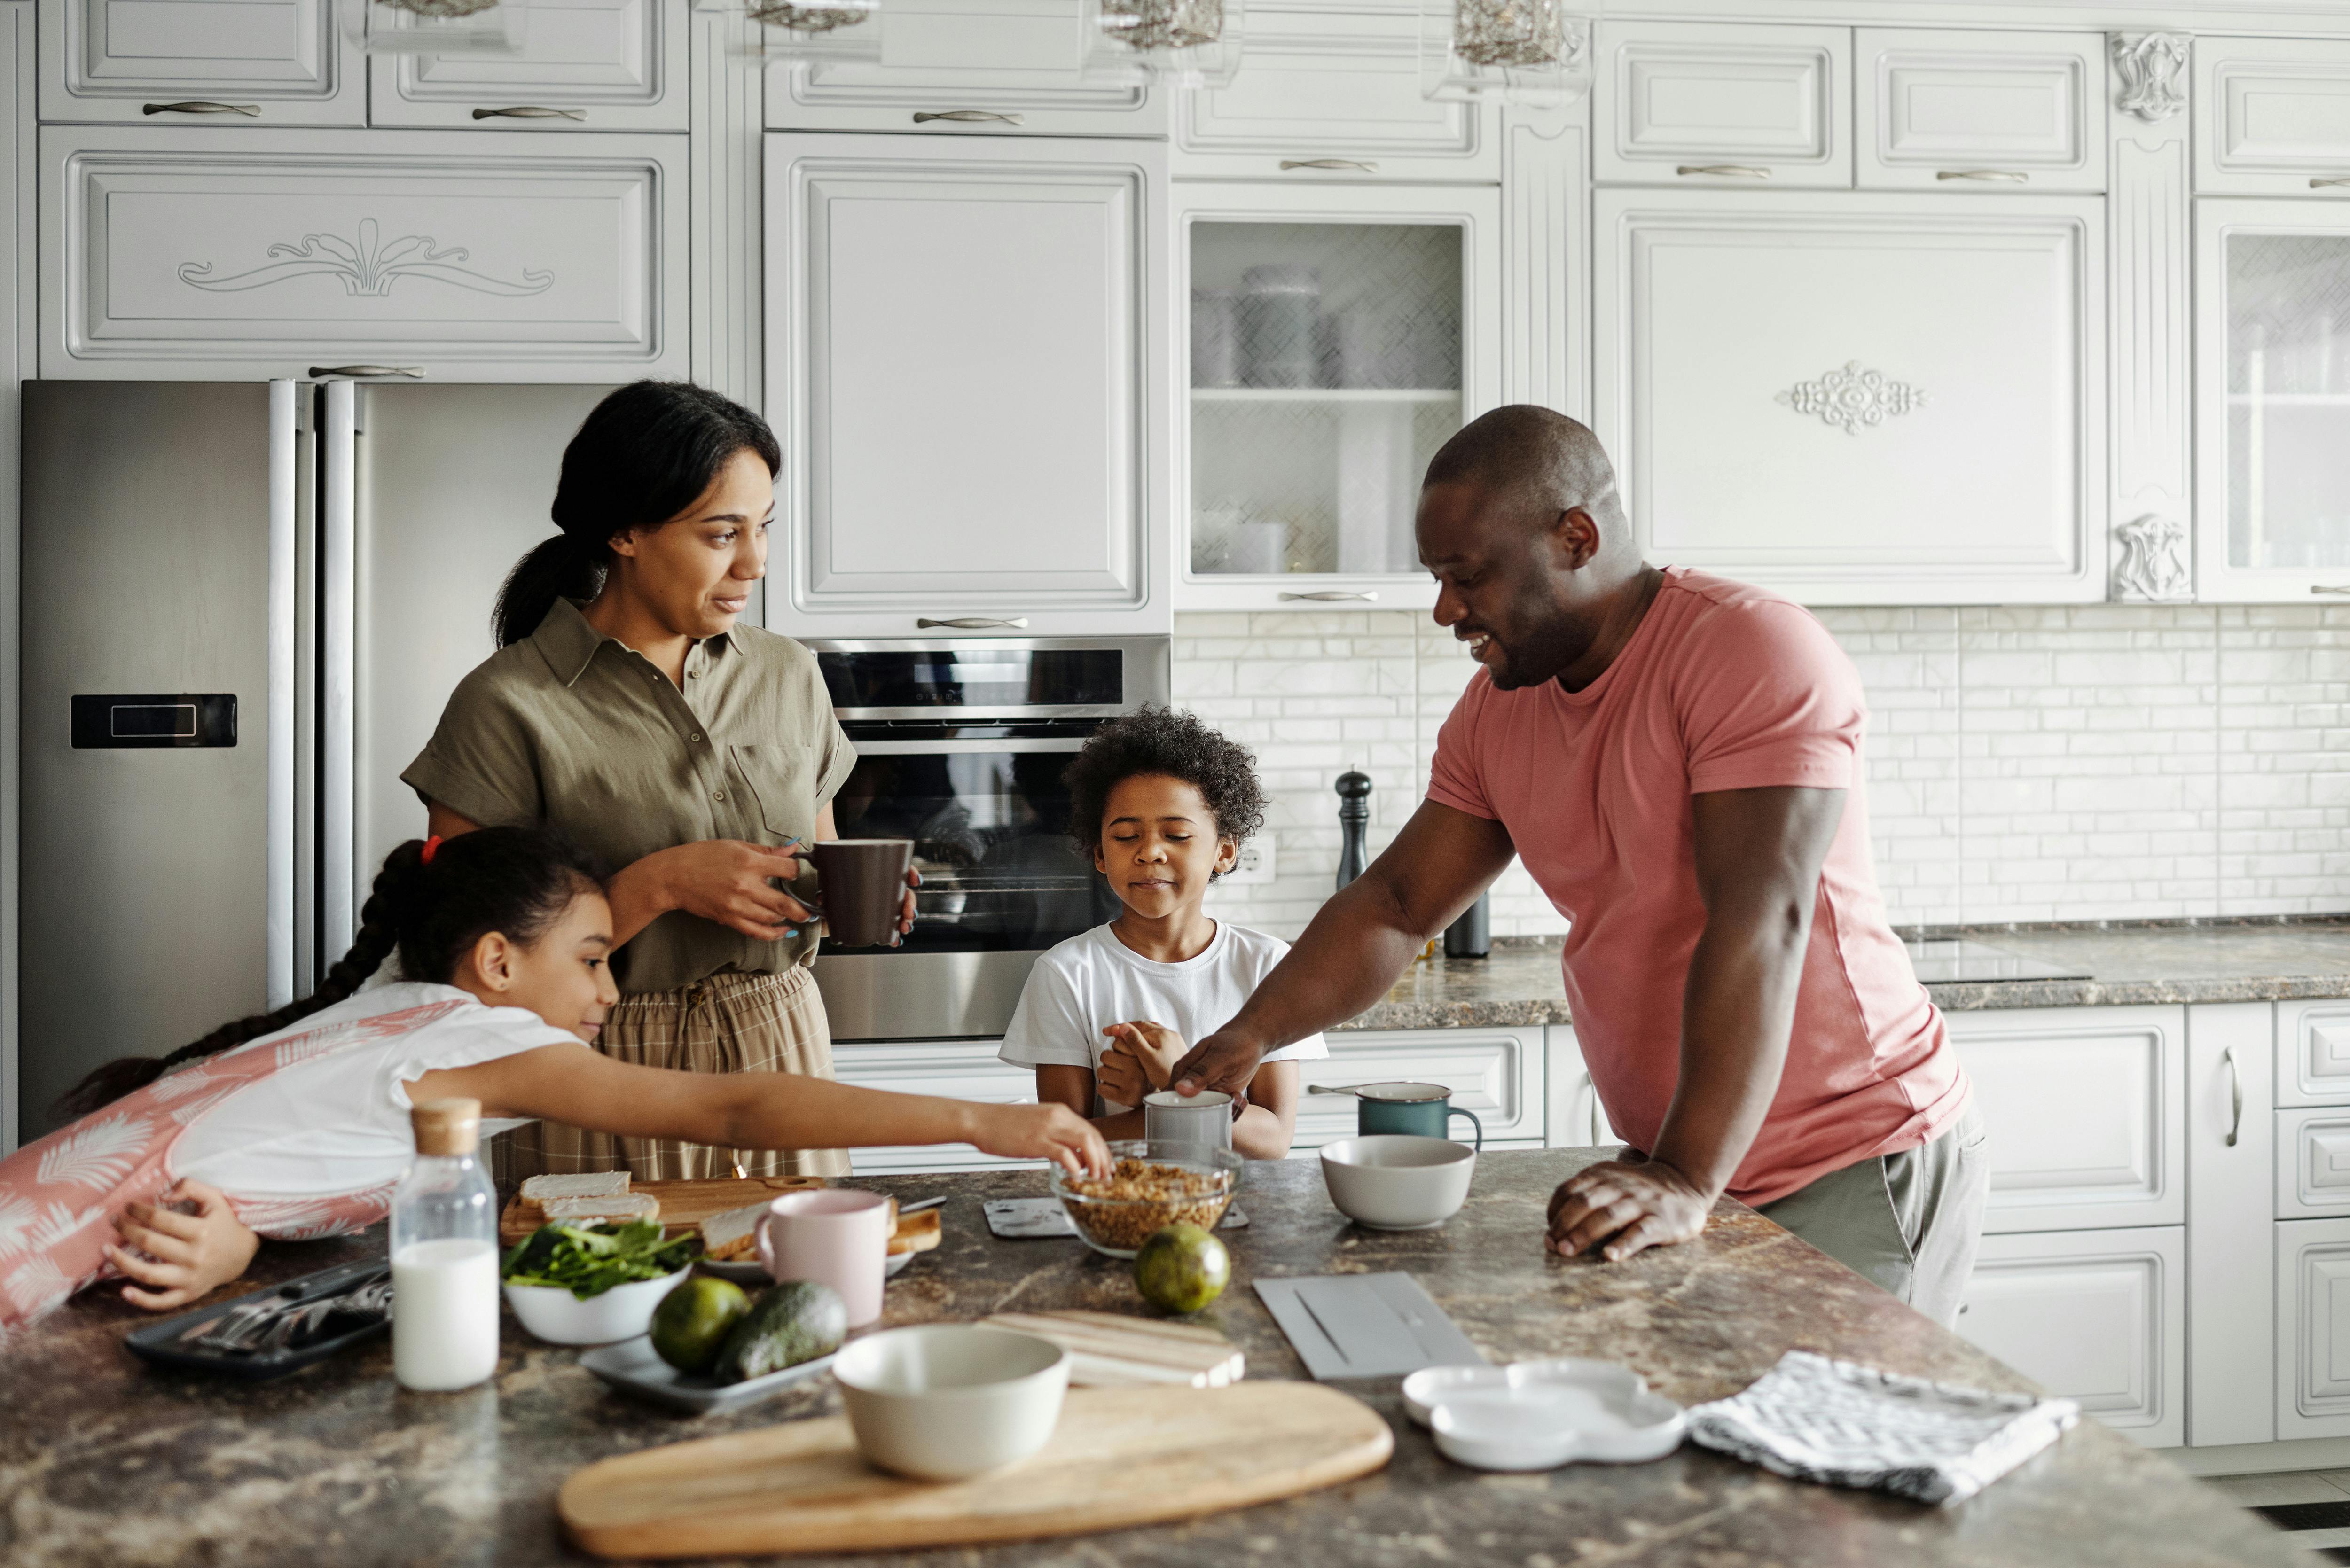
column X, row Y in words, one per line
column 1908, row 1222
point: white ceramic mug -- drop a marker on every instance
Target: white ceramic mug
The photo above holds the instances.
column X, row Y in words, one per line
column 1203, row 1118
column 838, row 1237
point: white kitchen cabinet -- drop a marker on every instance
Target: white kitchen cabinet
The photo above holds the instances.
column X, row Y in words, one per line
column 1495, row 1074
column 2272, row 117
column 210, row 62
column 967, row 366
column 2083, row 1107
column 1713, row 103
column 1969, row 109
column 1894, row 397
column 1331, row 96
column 2313, row 1163
column 1337, row 335
column 234, row 254
column 2273, row 400
column 2230, row 1257
column 2313, row 1328
column 2313, row 1053
column 965, row 68
column 584, row 64
column 954, row 1069
column 1576, row 1118
column 2093, row 1315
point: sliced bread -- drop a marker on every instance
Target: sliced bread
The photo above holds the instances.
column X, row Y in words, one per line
column 594, row 1184
column 623, row 1206
column 733, row 1235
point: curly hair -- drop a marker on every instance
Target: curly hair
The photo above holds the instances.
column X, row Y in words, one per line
column 1164, row 740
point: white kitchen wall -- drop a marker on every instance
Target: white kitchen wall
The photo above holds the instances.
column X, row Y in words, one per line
column 2088, row 762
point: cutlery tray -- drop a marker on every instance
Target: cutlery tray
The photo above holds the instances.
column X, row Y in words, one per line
column 171, row 1342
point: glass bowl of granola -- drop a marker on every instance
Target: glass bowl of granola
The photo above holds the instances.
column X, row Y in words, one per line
column 1151, row 1184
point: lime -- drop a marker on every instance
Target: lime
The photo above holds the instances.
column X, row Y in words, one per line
column 693, row 1320
column 1182, row 1269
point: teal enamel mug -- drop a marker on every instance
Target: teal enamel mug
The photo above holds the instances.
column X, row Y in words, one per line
column 1419, row 1110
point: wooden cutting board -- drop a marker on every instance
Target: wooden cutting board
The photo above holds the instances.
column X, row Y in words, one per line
column 1122, row 1457
column 1109, row 1351
column 683, row 1204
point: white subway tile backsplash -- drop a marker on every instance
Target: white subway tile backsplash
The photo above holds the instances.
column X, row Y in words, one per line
column 2094, row 761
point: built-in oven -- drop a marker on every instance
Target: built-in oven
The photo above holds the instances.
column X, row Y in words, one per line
column 961, row 746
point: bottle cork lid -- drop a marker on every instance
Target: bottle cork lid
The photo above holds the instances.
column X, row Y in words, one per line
column 447, row 1127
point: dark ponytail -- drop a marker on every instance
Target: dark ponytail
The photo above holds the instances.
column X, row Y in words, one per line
column 515, row 880
column 642, row 455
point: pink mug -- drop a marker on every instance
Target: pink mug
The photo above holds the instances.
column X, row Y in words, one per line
column 839, row 1237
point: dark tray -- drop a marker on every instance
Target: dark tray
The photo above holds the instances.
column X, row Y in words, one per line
column 169, row 1342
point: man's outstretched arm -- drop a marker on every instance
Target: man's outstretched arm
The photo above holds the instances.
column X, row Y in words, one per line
column 1359, row 943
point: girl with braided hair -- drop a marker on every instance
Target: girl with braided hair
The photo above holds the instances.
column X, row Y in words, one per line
column 295, row 1124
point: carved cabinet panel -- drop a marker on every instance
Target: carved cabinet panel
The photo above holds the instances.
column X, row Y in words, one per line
column 1973, row 110
column 1710, row 103
column 2272, row 117
column 233, row 62
column 478, row 256
column 2099, row 1316
column 1893, row 398
column 2313, row 1340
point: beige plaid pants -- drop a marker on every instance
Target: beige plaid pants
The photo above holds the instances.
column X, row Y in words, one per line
column 727, row 1023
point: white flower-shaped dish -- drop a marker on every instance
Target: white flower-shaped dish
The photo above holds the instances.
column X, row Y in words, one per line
column 1539, row 1415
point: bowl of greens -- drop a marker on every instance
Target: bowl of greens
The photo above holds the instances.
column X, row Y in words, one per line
column 593, row 1284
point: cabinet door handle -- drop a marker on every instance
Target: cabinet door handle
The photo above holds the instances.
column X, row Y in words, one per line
column 531, row 112
column 1743, row 171
column 2323, row 182
column 2012, row 176
column 2329, row 588
column 1288, row 163
column 975, row 623
column 203, row 106
column 1332, row 595
column 966, row 117
column 2235, row 1097
column 358, row 372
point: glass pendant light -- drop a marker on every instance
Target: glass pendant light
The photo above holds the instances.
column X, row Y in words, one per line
column 818, row 29
column 437, row 26
column 1182, row 43
column 1516, row 51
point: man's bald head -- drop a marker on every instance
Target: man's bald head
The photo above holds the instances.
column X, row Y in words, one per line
column 1534, row 463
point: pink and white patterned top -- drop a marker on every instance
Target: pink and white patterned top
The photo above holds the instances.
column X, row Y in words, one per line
column 305, row 1131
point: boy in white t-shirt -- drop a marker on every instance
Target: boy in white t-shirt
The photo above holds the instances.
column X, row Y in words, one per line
column 1164, row 803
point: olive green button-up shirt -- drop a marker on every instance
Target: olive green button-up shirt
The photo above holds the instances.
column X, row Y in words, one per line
column 576, row 729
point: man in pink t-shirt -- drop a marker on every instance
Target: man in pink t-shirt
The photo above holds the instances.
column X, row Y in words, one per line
column 1676, row 759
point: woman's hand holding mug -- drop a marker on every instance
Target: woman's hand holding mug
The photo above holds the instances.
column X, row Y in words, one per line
column 731, row 881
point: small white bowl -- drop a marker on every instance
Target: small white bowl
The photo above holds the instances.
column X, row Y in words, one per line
column 949, row 1400
column 1539, row 1415
column 1393, row 1182
column 555, row 1315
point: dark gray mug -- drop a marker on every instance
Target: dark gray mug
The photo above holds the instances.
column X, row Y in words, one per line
column 862, row 884
column 1419, row 1110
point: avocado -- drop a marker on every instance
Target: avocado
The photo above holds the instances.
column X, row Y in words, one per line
column 796, row 1321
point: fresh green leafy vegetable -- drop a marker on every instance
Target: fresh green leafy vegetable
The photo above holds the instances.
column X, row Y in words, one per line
column 588, row 1260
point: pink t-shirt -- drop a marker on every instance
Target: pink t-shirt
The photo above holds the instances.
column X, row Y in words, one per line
column 1722, row 686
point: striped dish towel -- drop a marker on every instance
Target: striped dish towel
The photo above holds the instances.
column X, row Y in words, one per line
column 1848, row 1424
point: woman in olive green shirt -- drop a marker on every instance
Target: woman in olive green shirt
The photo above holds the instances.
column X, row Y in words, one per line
column 628, row 707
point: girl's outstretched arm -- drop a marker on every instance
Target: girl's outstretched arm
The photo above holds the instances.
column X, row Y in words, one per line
column 574, row 1084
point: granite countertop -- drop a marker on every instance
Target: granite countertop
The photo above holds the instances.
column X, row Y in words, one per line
column 106, row 1462
column 2250, row 961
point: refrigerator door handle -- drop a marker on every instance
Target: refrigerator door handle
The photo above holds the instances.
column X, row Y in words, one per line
column 284, row 476
column 338, row 869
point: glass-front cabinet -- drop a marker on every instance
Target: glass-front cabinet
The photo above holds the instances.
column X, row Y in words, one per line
column 1337, row 336
column 2272, row 352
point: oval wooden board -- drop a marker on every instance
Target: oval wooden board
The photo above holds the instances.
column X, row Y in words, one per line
column 1120, row 1457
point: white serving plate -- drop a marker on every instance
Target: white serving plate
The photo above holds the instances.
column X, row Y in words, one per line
column 1539, row 1415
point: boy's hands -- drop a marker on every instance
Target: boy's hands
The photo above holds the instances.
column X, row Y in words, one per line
column 1154, row 1046
column 187, row 1254
column 1118, row 1078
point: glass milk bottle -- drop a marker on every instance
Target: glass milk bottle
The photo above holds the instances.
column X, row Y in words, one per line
column 444, row 1254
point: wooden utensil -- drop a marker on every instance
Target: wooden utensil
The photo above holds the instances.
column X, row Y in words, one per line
column 1111, row 1351
column 683, row 1204
column 1122, row 1457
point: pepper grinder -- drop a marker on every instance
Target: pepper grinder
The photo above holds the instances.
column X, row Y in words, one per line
column 1354, row 825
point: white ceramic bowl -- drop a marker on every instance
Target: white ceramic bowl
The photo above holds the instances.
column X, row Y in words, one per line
column 949, row 1400
column 1539, row 1415
column 555, row 1315
column 1392, row 1181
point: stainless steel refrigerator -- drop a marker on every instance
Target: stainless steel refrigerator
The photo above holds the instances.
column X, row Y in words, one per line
column 244, row 607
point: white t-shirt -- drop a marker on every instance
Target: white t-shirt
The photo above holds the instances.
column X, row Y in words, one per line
column 1093, row 980
column 339, row 1123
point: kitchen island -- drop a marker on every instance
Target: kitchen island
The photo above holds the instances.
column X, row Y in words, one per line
column 105, row 1461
